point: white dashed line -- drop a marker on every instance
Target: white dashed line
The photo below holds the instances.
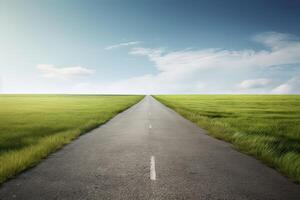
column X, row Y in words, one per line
column 150, row 126
column 152, row 169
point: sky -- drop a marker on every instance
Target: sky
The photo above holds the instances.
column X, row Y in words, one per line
column 150, row 46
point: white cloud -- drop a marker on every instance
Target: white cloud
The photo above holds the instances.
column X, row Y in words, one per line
column 292, row 86
column 51, row 71
column 212, row 70
column 177, row 67
column 122, row 45
column 254, row 83
column 282, row 89
column 283, row 51
column 274, row 40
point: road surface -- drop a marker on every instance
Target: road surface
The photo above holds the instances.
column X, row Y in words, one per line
column 149, row 152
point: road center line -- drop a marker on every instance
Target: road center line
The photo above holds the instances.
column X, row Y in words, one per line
column 152, row 169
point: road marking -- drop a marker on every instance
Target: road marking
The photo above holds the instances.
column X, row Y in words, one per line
column 150, row 126
column 152, row 169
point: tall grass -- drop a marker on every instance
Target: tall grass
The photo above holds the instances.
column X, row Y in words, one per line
column 32, row 126
column 265, row 126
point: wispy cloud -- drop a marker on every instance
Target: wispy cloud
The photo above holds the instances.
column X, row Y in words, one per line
column 180, row 71
column 254, row 83
column 214, row 70
column 283, row 51
column 274, row 40
column 122, row 45
column 291, row 86
column 51, row 71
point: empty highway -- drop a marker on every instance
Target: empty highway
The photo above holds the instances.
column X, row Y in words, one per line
column 149, row 152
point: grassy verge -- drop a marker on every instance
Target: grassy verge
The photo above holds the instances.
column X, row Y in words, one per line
column 33, row 126
column 265, row 126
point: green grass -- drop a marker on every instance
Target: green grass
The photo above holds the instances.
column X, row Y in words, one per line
column 33, row 126
column 265, row 126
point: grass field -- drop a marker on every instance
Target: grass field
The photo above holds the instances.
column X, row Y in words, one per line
column 266, row 126
column 32, row 126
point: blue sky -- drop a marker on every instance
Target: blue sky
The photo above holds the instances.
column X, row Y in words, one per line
column 149, row 47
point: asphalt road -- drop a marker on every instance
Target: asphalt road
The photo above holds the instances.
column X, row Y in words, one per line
column 149, row 152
